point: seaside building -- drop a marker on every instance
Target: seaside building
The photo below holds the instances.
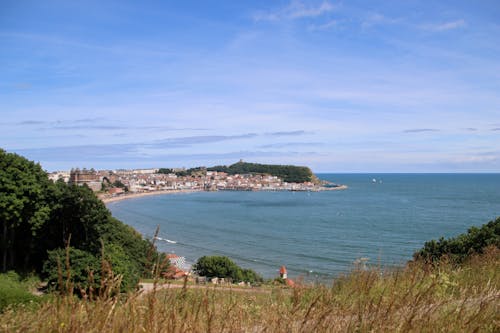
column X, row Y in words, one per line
column 89, row 177
column 178, row 267
column 116, row 191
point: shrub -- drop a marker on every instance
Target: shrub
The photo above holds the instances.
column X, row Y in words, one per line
column 223, row 267
column 84, row 270
column 459, row 248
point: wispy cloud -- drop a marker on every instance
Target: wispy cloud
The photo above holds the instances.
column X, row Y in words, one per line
column 496, row 129
column 80, row 152
column 292, row 144
column 202, row 139
column 438, row 27
column 98, row 123
column 420, row 130
column 483, row 157
column 58, row 122
column 296, row 10
column 89, row 127
column 88, row 120
column 377, row 19
column 288, row 133
column 129, row 154
column 30, row 122
column 325, row 26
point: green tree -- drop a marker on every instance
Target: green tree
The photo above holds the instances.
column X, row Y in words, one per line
column 288, row 173
column 119, row 184
column 24, row 209
column 84, row 269
column 79, row 213
column 76, row 211
column 223, row 267
column 37, row 217
column 460, row 247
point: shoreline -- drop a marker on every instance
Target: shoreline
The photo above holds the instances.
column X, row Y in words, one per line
column 143, row 194
column 109, row 199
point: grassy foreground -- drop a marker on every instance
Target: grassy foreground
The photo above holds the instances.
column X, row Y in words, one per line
column 417, row 298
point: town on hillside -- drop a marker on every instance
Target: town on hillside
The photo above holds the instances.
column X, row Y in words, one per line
column 111, row 183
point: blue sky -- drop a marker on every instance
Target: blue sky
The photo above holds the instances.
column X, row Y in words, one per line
column 340, row 86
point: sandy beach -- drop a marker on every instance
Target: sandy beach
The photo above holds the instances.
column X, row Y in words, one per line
column 108, row 199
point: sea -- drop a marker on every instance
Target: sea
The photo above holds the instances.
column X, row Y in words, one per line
column 379, row 221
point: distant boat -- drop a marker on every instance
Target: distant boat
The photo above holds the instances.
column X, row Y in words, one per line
column 374, row 180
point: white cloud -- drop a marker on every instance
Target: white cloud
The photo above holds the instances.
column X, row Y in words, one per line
column 325, row 26
column 378, row 19
column 438, row 27
column 296, row 10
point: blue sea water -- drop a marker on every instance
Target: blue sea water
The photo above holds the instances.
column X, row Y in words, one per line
column 318, row 235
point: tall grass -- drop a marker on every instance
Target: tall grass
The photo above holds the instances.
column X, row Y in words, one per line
column 416, row 298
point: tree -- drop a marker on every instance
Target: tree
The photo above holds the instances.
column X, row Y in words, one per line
column 37, row 218
column 223, row 267
column 84, row 269
column 76, row 211
column 24, row 209
column 462, row 246
column 288, row 173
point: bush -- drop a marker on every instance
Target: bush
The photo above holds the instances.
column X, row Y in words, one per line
column 459, row 248
column 223, row 267
column 84, row 267
column 121, row 264
column 86, row 270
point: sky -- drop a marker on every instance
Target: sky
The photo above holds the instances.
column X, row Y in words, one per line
column 339, row 86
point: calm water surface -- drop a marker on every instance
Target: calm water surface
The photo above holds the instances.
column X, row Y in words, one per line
column 318, row 235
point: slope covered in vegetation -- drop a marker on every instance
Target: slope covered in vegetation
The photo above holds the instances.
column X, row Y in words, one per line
column 417, row 298
column 39, row 219
column 288, row 173
column 421, row 297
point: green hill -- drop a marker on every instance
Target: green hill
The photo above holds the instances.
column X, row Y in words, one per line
column 288, row 173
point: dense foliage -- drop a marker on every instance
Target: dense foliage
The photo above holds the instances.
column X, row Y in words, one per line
column 24, row 210
column 198, row 171
column 38, row 218
column 165, row 171
column 459, row 248
column 223, row 267
column 288, row 173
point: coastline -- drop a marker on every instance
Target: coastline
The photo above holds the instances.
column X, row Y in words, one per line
column 109, row 199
